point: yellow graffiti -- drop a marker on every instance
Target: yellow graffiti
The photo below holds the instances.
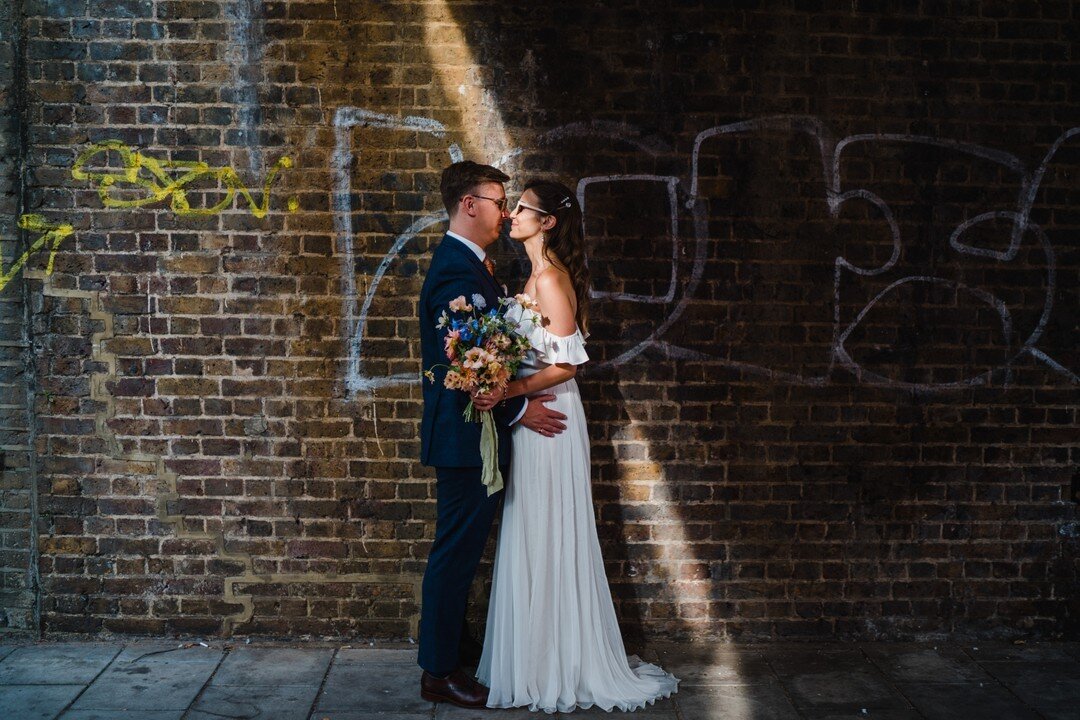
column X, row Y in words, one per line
column 155, row 181
column 51, row 235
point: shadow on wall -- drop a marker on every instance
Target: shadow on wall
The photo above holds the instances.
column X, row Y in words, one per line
column 756, row 289
column 757, row 294
column 783, row 317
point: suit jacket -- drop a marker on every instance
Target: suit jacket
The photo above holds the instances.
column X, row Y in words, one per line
column 446, row 439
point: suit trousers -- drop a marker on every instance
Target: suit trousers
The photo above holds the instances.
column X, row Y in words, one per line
column 464, row 514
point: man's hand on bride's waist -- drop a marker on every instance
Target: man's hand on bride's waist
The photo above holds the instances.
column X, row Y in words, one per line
column 541, row 419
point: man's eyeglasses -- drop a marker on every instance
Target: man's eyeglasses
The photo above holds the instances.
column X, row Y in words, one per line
column 501, row 203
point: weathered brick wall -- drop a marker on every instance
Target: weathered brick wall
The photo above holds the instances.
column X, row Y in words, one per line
column 17, row 561
column 834, row 388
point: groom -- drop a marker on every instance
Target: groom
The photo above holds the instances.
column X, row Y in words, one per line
column 477, row 206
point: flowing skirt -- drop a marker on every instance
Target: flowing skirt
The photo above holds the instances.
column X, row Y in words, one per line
column 552, row 641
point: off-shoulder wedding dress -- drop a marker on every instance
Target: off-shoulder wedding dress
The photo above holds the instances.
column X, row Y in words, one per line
column 552, row 641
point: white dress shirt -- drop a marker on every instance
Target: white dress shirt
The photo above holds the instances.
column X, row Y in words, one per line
column 477, row 250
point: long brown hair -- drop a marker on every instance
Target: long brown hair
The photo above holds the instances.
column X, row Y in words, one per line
column 566, row 241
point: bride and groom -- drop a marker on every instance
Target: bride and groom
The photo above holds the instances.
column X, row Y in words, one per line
column 552, row 641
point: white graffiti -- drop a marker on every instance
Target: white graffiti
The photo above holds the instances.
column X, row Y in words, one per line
column 355, row 317
column 831, row 152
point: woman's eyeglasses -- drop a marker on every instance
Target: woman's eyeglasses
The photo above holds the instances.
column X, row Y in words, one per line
column 530, row 207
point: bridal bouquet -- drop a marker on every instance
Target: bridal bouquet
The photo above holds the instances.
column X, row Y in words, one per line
column 484, row 351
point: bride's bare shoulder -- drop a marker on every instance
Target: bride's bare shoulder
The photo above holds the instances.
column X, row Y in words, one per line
column 553, row 279
column 555, row 296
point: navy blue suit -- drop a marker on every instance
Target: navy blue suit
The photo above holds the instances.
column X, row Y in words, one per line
column 452, row 446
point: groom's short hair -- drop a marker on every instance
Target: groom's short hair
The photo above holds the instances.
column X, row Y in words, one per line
column 462, row 178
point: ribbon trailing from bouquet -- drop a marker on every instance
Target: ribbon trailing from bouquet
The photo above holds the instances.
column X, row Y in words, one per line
column 489, row 453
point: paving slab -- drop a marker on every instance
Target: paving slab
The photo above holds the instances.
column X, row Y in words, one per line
column 761, row 701
column 282, row 702
column 717, row 665
column 382, row 657
column 843, row 691
column 372, row 687
column 56, row 663
column 1012, row 652
column 800, row 660
column 36, row 702
column 953, row 701
column 913, row 663
column 1066, row 714
column 170, row 680
column 909, row 714
column 274, row 666
column 446, row 711
column 168, row 651
column 144, row 678
column 368, row 715
column 123, row 715
column 661, row 710
column 1052, row 688
column 1033, row 673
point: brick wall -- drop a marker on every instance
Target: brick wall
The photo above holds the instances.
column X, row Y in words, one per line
column 834, row 338
column 17, row 562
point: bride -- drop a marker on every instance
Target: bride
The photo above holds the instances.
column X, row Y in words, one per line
column 552, row 640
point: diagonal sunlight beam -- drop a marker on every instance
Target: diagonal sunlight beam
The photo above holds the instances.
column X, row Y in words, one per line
column 465, row 84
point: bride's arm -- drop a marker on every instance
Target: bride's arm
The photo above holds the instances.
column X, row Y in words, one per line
column 554, row 294
column 546, row 378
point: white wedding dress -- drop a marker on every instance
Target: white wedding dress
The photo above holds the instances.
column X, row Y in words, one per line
column 552, row 641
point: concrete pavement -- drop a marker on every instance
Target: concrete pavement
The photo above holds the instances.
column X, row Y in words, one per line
column 191, row 680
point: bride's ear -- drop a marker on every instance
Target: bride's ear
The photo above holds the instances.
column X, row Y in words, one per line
column 548, row 223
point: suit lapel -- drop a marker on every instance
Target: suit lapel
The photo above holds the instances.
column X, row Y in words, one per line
column 477, row 266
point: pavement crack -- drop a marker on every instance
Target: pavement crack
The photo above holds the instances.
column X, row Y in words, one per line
column 225, row 652
column 184, row 646
column 322, row 682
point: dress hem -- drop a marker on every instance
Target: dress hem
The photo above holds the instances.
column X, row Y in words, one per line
column 629, row 707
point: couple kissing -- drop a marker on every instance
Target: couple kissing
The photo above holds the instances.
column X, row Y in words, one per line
column 552, row 639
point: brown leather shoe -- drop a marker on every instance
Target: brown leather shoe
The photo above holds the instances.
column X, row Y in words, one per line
column 456, row 688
